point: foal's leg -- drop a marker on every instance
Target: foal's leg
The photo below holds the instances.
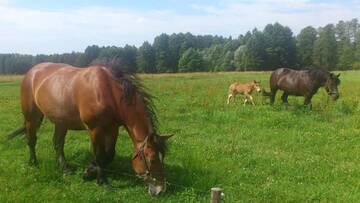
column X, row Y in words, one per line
column 249, row 97
column 284, row 97
column 252, row 100
column 229, row 97
column 58, row 141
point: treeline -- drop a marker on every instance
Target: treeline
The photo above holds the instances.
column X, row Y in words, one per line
column 333, row 47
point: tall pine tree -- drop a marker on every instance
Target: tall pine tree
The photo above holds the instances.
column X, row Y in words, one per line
column 325, row 54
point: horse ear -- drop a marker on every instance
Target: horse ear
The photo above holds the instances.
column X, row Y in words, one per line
column 166, row 137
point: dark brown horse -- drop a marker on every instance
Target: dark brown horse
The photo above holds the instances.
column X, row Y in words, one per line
column 98, row 100
column 303, row 83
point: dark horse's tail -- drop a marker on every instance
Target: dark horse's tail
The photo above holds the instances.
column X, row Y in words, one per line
column 19, row 131
column 265, row 93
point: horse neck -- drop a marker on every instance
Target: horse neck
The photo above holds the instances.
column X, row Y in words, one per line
column 136, row 121
column 321, row 80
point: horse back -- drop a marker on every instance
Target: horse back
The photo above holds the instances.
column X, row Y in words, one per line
column 291, row 81
column 239, row 88
column 69, row 95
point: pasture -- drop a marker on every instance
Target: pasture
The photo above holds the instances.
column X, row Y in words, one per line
column 255, row 153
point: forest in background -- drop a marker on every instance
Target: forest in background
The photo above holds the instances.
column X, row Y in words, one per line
column 332, row 47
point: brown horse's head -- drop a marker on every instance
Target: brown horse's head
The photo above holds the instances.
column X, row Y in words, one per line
column 148, row 163
column 256, row 86
column 140, row 119
column 331, row 85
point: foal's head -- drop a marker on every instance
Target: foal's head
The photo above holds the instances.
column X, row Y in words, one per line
column 256, row 85
column 331, row 86
column 148, row 163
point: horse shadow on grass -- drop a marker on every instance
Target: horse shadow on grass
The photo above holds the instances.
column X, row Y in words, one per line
column 120, row 174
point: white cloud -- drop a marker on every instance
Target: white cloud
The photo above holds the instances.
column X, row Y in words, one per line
column 4, row 2
column 56, row 31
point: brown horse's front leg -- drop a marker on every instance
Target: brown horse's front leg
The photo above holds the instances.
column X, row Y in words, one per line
column 103, row 146
column 308, row 100
column 284, row 97
column 90, row 172
column 100, row 177
column 93, row 172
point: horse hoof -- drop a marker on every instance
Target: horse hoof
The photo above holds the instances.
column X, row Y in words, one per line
column 102, row 181
column 67, row 169
column 33, row 162
column 90, row 174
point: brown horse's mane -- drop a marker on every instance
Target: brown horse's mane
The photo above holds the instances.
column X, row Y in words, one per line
column 319, row 74
column 124, row 74
column 322, row 75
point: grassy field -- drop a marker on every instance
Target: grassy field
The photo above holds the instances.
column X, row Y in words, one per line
column 262, row 153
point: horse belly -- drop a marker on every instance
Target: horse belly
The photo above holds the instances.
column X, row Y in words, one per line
column 58, row 105
column 62, row 115
column 289, row 86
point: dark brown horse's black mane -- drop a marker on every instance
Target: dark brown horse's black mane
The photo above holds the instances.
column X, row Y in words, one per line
column 124, row 74
column 318, row 74
column 322, row 75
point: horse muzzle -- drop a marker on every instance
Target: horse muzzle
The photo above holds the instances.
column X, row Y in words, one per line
column 156, row 189
column 334, row 96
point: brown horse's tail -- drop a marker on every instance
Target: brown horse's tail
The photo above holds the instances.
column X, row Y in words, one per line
column 19, row 131
column 265, row 93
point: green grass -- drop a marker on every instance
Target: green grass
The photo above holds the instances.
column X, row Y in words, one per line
column 262, row 153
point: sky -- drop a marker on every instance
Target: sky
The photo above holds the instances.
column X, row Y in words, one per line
column 47, row 26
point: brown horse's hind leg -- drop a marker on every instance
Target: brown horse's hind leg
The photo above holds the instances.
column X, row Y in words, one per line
column 103, row 146
column 272, row 95
column 31, row 141
column 58, row 141
column 31, row 128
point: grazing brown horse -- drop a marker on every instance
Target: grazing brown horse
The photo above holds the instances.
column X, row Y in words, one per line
column 303, row 83
column 245, row 89
column 98, row 100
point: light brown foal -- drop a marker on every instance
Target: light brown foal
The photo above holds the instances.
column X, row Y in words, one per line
column 245, row 89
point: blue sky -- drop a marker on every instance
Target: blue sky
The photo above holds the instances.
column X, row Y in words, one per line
column 44, row 26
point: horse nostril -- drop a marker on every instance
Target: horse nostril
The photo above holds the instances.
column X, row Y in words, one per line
column 335, row 96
